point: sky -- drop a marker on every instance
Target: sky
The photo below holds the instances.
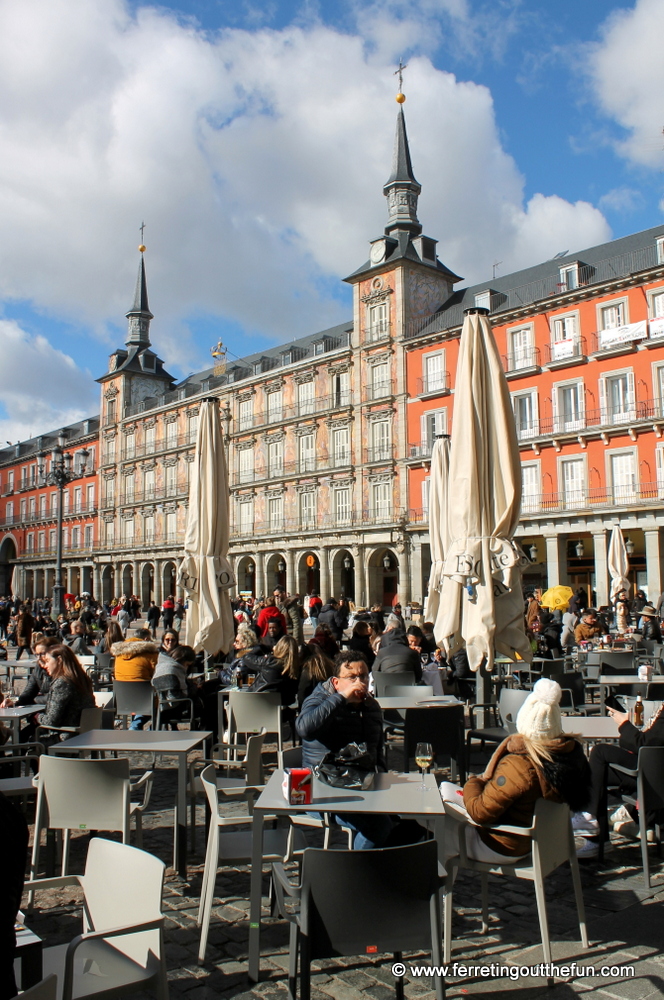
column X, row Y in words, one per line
column 254, row 139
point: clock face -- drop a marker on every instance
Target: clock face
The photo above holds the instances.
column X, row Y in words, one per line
column 377, row 252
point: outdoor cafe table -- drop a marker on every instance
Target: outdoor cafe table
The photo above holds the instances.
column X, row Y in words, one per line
column 416, row 701
column 392, row 794
column 593, row 727
column 179, row 743
column 15, row 714
column 616, row 680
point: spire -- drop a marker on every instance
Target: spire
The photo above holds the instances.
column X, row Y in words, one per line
column 139, row 316
column 402, row 189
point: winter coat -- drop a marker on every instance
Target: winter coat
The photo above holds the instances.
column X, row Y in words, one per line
column 632, row 738
column 584, row 633
column 650, row 629
column 170, row 677
column 569, row 624
column 512, row 783
column 292, row 611
column 154, row 614
column 263, row 620
column 315, row 604
column 36, row 690
column 25, row 623
column 329, row 615
column 362, row 644
column 623, row 616
column 396, row 656
column 135, row 660
column 78, row 645
column 532, row 612
column 65, row 704
column 327, row 722
column 326, row 642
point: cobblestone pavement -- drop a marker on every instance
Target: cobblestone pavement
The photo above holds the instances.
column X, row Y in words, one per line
column 626, row 926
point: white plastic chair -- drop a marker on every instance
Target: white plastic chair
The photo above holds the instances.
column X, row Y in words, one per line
column 552, row 845
column 234, row 847
column 256, row 713
column 91, row 718
column 87, row 660
column 122, row 944
column 75, row 794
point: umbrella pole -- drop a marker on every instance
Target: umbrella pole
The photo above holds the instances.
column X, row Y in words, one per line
column 483, row 694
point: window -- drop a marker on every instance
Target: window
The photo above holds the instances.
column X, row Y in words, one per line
column 89, row 535
column 341, row 389
column 342, row 505
column 171, row 525
column 130, row 445
column 434, row 376
column 171, row 434
column 110, row 449
column 148, row 484
column 530, row 488
column 10, row 481
column 378, row 321
column 76, row 537
column 426, row 492
column 657, row 314
column 275, row 513
column 129, row 487
column 381, row 445
column 24, row 509
column 42, row 506
column 90, row 498
column 433, row 424
column 612, row 316
column 52, row 540
column 568, row 406
column 623, row 477
column 521, row 351
column 149, row 440
column 275, row 458
column 192, row 428
column 381, row 501
column 308, row 509
column 78, row 500
column 246, row 414
column 573, row 482
column 31, row 542
column 41, row 541
column 569, row 277
column 275, row 406
column 110, row 411
column 306, row 453
column 380, row 380
column 54, row 502
column 9, row 513
column 305, row 398
column 148, row 529
column 525, row 414
column 128, row 531
column 65, row 502
column 78, row 462
column 659, row 243
column 564, row 333
column 616, row 394
column 341, row 446
column 109, row 533
column 483, row 300
column 246, row 512
column 32, row 507
column 246, row 467
column 171, row 480
column 110, row 492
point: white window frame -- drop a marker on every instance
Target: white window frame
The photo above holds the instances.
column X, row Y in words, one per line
column 560, row 424
column 171, row 477
column 381, row 384
column 522, row 356
column 172, row 434
column 381, row 451
column 378, row 320
column 340, row 452
column 530, row 506
column 659, row 467
column 483, row 299
column 580, row 498
column 306, row 452
column 433, row 384
column 659, row 249
column 532, row 429
column 440, row 427
column 607, row 414
column 275, row 459
column 308, row 509
column 149, row 484
column 88, row 536
column 340, row 493
column 246, row 414
column 306, row 398
column 274, row 406
column 245, row 515
column 382, row 501
column 622, row 494
column 171, row 526
column 603, row 307
column 569, row 276
column 275, row 513
column 246, row 465
column 341, row 391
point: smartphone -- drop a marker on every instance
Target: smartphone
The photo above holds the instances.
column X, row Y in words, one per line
column 612, row 702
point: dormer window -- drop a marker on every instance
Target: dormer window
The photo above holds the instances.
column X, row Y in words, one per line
column 147, row 361
column 569, row 277
column 659, row 243
column 483, row 299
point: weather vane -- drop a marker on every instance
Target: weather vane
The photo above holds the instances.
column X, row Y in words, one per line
column 218, row 352
column 142, row 247
column 401, row 97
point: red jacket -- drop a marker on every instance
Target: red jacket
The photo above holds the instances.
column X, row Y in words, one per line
column 315, row 604
column 266, row 616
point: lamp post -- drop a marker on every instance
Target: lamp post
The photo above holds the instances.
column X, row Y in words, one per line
column 60, row 475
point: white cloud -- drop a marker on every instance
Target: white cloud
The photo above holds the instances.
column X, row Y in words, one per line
column 627, row 74
column 621, row 199
column 41, row 388
column 257, row 159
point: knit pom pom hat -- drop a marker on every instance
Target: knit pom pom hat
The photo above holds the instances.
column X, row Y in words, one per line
column 539, row 716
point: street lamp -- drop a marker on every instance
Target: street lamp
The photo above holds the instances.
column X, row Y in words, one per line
column 629, row 546
column 347, row 562
column 60, row 475
column 534, row 555
column 387, row 562
column 579, row 548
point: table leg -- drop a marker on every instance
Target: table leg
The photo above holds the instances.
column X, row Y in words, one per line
column 602, row 698
column 180, row 832
column 255, row 896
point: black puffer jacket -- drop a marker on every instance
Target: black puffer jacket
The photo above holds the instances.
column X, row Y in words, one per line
column 327, row 722
column 650, row 629
column 334, row 619
column 396, row 656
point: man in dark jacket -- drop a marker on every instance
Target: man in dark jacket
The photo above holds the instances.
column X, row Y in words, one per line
column 76, row 640
column 395, row 655
column 329, row 615
column 341, row 711
column 154, row 614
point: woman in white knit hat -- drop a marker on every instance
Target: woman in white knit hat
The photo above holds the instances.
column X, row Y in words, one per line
column 539, row 761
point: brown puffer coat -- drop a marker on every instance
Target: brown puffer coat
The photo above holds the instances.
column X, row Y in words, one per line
column 509, row 788
column 135, row 659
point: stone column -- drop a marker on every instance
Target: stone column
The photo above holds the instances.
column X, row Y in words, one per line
column 136, row 579
column 117, row 581
column 417, row 587
column 405, row 584
column 602, row 582
column 368, row 596
column 654, row 563
column 96, row 582
column 358, row 573
column 259, row 560
column 291, row 582
column 324, row 559
column 556, row 559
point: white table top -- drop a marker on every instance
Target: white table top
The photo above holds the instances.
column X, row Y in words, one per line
column 600, row 727
column 397, row 794
column 417, row 701
column 20, row 711
column 160, row 741
column 630, row 679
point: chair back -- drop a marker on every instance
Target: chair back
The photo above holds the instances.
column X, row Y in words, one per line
column 391, row 889
column 253, row 762
column 418, row 692
column 442, row 726
column 551, row 668
column 104, row 660
column 551, row 835
column 510, row 701
column 253, row 713
column 47, row 989
column 106, row 898
column 86, row 660
column 133, row 697
column 292, row 757
column 77, row 794
column 618, row 663
column 573, row 689
column 651, row 778
column 405, row 678
column 104, row 699
column 593, row 657
column 91, row 718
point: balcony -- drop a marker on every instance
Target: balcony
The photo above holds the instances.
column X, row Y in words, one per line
column 418, row 515
column 421, row 451
column 518, row 364
column 298, row 411
column 593, row 499
column 8, row 490
column 379, row 453
column 604, row 418
column 618, row 340
column 168, row 443
column 379, row 390
column 155, row 493
column 377, row 331
column 434, row 385
column 563, row 353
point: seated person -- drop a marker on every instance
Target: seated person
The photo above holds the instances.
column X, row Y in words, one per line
column 76, row 639
column 323, row 638
column 36, row 690
column 360, row 641
column 341, row 711
column 395, row 655
column 588, row 628
column 275, row 632
column 539, row 761
column 650, row 629
column 70, row 691
column 245, row 647
column 135, row 660
column 280, row 670
column 316, row 668
column 602, row 756
column 170, row 683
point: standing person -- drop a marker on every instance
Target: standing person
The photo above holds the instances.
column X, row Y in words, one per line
column 622, row 611
column 315, row 605
column 269, row 612
column 329, row 616
column 294, row 614
column 25, row 623
column 123, row 618
column 168, row 612
column 154, row 614
column 178, row 615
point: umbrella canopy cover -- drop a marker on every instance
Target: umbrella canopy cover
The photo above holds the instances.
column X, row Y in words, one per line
column 556, row 597
column 618, row 562
column 205, row 573
column 482, row 596
column 438, row 529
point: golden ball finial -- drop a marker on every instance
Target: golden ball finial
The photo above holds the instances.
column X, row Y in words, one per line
column 400, row 98
column 142, row 248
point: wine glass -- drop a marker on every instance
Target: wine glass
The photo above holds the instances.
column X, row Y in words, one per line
column 424, row 760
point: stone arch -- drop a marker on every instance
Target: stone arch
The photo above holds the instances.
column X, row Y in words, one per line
column 75, row 580
column 383, row 581
column 308, row 576
column 343, row 574
column 245, row 573
column 169, row 578
column 107, row 583
column 274, row 576
column 147, row 585
column 128, row 580
column 7, row 563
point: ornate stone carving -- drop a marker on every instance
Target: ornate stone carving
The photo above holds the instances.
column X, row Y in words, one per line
column 111, row 392
column 372, row 298
column 426, row 292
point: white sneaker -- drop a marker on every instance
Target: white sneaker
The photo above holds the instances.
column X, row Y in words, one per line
column 584, row 824
column 650, row 836
column 586, row 848
column 621, row 815
column 629, row 829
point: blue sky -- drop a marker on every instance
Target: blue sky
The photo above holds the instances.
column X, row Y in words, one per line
column 254, row 140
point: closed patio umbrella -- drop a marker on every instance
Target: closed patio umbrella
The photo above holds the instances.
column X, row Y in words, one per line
column 438, row 532
column 618, row 562
column 482, row 598
column 205, row 573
